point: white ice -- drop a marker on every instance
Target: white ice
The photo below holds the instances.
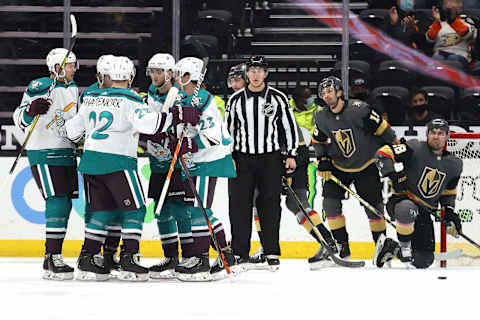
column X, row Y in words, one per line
column 293, row 292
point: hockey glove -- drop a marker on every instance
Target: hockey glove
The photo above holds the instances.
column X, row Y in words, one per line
column 325, row 168
column 188, row 146
column 185, row 114
column 452, row 222
column 37, row 107
column 399, row 178
column 157, row 137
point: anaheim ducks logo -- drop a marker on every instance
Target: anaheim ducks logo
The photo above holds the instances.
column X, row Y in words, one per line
column 431, row 181
column 345, row 142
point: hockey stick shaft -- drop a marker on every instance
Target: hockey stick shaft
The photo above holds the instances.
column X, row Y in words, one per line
column 337, row 260
column 205, row 215
column 362, row 201
column 163, row 194
column 73, row 21
column 431, row 212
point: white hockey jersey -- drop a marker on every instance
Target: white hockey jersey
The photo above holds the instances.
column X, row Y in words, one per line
column 111, row 120
column 44, row 147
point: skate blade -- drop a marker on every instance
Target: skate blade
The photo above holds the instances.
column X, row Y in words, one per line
column 273, row 268
column 167, row 274
column 222, row 274
column 91, row 276
column 196, row 277
column 114, row 274
column 49, row 275
column 258, row 266
column 132, row 276
column 322, row 264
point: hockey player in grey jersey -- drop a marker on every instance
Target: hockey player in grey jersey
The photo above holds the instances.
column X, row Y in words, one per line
column 346, row 137
column 111, row 119
column 51, row 158
column 425, row 172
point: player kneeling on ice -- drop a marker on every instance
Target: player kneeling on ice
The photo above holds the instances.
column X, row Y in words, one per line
column 110, row 119
column 423, row 175
column 206, row 152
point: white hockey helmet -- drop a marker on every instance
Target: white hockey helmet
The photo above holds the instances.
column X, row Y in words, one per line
column 162, row 61
column 56, row 56
column 104, row 63
column 122, row 68
column 191, row 65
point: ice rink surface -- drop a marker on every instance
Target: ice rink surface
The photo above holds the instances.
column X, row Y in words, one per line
column 293, row 292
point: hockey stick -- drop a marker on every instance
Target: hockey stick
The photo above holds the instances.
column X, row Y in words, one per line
column 204, row 212
column 362, row 201
column 431, row 212
column 68, row 107
column 73, row 21
column 195, row 101
column 337, row 260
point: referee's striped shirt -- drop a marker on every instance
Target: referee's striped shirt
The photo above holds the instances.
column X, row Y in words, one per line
column 261, row 122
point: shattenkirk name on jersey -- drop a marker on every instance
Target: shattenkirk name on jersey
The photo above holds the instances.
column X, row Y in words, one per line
column 99, row 101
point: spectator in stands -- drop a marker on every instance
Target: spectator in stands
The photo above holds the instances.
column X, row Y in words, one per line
column 406, row 25
column 451, row 35
column 359, row 89
column 304, row 106
column 419, row 113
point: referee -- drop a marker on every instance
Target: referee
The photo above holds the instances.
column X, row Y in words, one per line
column 260, row 121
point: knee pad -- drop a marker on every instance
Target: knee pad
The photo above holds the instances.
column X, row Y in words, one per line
column 180, row 211
column 100, row 220
column 57, row 211
column 406, row 211
column 134, row 219
column 167, row 227
column 166, row 214
column 198, row 219
column 332, row 206
column 422, row 259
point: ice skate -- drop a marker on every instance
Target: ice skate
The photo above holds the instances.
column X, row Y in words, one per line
column 130, row 270
column 344, row 250
column 196, row 269
column 112, row 264
column 258, row 261
column 404, row 254
column 165, row 269
column 218, row 272
column 273, row 262
column 90, row 268
column 55, row 269
column 385, row 251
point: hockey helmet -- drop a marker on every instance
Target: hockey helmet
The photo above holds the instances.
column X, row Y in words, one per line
column 104, row 63
column 257, row 61
column 331, row 81
column 162, row 61
column 56, row 56
column 438, row 124
column 191, row 65
column 122, row 68
column 237, row 71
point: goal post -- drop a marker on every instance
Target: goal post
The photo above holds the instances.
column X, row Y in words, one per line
column 465, row 146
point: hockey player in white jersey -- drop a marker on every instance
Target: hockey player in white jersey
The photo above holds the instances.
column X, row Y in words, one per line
column 111, row 120
column 52, row 159
column 174, row 219
column 207, row 153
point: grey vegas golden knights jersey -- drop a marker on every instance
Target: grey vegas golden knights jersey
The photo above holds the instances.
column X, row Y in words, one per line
column 351, row 137
column 429, row 177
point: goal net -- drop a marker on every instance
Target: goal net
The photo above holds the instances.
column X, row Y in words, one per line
column 466, row 146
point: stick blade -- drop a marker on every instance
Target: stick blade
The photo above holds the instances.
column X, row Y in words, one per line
column 170, row 99
column 73, row 22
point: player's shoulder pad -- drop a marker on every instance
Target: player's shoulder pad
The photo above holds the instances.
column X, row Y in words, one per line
column 204, row 99
column 152, row 90
column 39, row 86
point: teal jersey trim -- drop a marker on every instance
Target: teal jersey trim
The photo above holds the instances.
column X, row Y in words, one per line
column 53, row 157
column 40, row 86
column 92, row 87
column 93, row 162
column 116, row 92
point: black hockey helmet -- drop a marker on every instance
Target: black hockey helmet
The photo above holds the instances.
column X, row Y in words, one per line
column 331, row 81
column 438, row 124
column 237, row 71
column 257, row 61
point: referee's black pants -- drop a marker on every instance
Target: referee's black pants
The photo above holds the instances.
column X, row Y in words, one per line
column 265, row 172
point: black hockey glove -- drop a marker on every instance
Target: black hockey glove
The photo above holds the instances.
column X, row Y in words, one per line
column 399, row 178
column 37, row 107
column 452, row 222
column 186, row 114
column 325, row 168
